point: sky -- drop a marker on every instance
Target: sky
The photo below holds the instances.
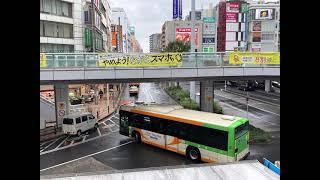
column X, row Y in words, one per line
column 148, row 16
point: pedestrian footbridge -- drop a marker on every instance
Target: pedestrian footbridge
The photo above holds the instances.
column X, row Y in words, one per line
column 95, row 68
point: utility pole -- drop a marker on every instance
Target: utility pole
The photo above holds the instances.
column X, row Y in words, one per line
column 92, row 26
column 193, row 83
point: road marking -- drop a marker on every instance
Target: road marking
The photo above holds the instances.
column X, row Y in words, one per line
column 251, row 106
column 240, row 110
column 91, row 139
column 50, row 144
column 99, row 131
column 84, row 138
column 114, row 123
column 62, row 142
column 86, row 156
column 249, row 114
column 104, row 123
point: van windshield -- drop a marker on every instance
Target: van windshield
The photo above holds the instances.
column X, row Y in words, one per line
column 67, row 121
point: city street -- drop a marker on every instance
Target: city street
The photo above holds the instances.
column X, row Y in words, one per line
column 109, row 150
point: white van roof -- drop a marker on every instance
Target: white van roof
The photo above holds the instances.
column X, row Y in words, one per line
column 77, row 115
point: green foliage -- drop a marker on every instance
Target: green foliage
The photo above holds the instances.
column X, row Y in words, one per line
column 258, row 135
column 177, row 46
column 217, row 108
column 182, row 97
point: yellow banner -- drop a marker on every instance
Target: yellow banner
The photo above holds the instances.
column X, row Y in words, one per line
column 254, row 58
column 43, row 60
column 163, row 59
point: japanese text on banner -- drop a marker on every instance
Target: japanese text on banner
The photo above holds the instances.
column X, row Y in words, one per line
column 254, row 58
column 163, row 59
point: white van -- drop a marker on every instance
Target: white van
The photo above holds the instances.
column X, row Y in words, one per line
column 78, row 123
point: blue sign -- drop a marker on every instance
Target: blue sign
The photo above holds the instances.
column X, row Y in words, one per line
column 271, row 166
column 180, row 9
column 175, row 9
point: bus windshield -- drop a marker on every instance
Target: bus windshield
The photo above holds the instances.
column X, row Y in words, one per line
column 241, row 129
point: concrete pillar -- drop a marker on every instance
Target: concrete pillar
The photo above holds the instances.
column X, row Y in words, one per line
column 193, row 90
column 61, row 95
column 267, row 85
column 206, row 96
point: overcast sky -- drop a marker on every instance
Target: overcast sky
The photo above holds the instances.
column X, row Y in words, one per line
column 148, row 16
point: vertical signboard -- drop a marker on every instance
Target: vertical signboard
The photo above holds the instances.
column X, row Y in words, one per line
column 221, row 30
column 61, row 109
column 231, row 17
column 175, row 9
column 180, row 9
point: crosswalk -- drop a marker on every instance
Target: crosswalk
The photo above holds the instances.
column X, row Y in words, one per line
column 106, row 126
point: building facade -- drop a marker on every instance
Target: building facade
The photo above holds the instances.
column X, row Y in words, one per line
column 154, row 43
column 180, row 31
column 264, row 27
column 119, row 17
column 231, row 26
column 97, row 26
column 61, row 26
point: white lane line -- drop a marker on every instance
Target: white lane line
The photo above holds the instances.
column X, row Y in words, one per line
column 104, row 123
column 86, row 156
column 50, row 144
column 274, row 124
column 84, row 138
column 252, row 106
column 61, row 143
column 240, row 110
column 99, row 131
column 91, row 139
column 114, row 123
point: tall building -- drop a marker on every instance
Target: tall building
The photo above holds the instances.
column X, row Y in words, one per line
column 264, row 27
column 61, row 27
column 180, row 31
column 97, row 29
column 119, row 17
column 154, row 42
column 231, row 26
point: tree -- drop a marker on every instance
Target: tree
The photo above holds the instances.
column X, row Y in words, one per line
column 177, row 46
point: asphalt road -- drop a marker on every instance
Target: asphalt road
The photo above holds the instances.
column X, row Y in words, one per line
column 109, row 150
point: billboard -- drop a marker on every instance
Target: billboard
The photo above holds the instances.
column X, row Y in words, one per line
column 256, row 47
column 209, row 20
column 114, row 39
column 256, row 26
column 263, row 13
column 232, row 7
column 231, row 17
column 175, row 9
column 256, row 37
column 209, row 28
column 180, row 9
column 162, row 59
column 254, row 58
column 184, row 34
column 208, row 40
column 244, row 7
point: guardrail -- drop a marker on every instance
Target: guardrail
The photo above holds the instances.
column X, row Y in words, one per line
column 271, row 166
column 91, row 60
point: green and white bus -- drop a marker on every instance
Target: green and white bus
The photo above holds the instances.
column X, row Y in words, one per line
column 198, row 135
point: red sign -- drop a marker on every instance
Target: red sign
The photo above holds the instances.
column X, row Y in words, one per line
column 231, row 17
column 184, row 34
column 232, row 7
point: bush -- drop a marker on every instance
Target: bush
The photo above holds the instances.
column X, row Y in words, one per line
column 258, row 135
column 217, row 108
column 189, row 104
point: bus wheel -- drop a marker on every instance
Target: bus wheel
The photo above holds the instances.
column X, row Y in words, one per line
column 137, row 137
column 193, row 153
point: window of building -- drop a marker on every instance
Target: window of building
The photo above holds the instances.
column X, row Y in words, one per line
column 55, row 48
column 56, row 7
column 267, row 37
column 57, row 30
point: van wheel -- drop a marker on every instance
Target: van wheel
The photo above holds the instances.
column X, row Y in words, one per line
column 136, row 137
column 194, row 154
column 79, row 133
